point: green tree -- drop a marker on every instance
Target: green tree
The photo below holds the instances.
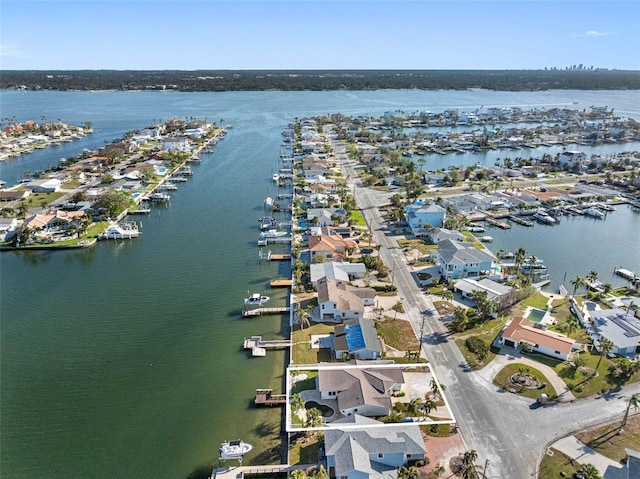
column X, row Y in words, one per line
column 115, row 202
column 408, row 473
column 589, row 471
column 606, row 346
column 22, row 209
column 297, row 402
column 314, row 418
column 577, row 282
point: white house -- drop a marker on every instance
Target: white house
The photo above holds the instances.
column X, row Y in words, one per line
column 570, row 158
column 337, row 301
column 620, row 327
column 464, row 260
column 44, row 186
column 364, row 391
column 8, row 226
column 338, row 271
column 371, row 452
column 520, row 331
column 175, row 143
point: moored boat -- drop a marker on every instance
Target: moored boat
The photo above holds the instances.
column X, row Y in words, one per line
column 124, row 230
column 234, row 449
column 542, row 216
column 256, row 299
column 595, row 212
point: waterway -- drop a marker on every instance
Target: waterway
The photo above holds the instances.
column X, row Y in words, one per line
column 124, row 360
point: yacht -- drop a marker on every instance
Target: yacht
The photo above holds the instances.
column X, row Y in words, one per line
column 157, row 196
column 595, row 212
column 234, row 449
column 124, row 230
column 256, row 299
column 542, row 216
column 275, row 177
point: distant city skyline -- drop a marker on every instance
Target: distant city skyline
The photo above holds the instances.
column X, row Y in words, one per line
column 314, row 35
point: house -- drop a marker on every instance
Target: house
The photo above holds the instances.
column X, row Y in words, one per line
column 421, row 217
column 464, row 260
column 8, row 227
column 520, row 332
column 175, row 143
column 369, row 451
column 440, row 234
column 620, row 327
column 357, row 339
column 571, row 158
column 500, row 294
column 329, row 247
column 338, row 271
column 13, row 195
column 44, row 186
column 324, row 216
column 365, row 391
column 633, row 464
column 337, row 301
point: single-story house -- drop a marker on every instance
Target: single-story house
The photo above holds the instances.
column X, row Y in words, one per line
column 13, row 195
column 48, row 185
column 620, row 327
column 338, row 271
column 500, row 294
column 371, row 452
column 357, row 339
column 8, row 227
column 520, row 331
column 365, row 391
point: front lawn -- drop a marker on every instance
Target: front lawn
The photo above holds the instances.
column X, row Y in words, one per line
column 556, row 465
column 536, row 300
column 357, row 218
column 36, row 199
column 398, row 334
column 502, row 379
column 583, row 383
column 608, row 442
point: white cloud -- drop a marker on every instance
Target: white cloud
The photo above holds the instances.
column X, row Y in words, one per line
column 592, row 34
column 9, row 51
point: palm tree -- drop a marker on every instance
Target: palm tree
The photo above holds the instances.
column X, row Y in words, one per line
column 592, row 277
column 633, row 400
column 413, row 406
column 461, row 320
column 520, row 256
column 314, row 418
column 589, row 471
column 297, row 402
column 606, row 346
column 572, row 324
column 469, row 457
column 446, row 294
column 577, row 282
column 427, row 406
column 469, row 472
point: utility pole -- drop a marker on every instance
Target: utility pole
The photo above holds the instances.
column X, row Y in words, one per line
column 424, row 317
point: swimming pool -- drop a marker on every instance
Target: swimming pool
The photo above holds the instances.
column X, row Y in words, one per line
column 535, row 315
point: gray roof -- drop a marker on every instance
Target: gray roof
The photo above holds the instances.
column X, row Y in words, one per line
column 618, row 326
column 442, row 234
column 335, row 270
column 357, row 449
column 463, row 252
column 347, row 298
column 633, row 464
column 494, row 290
column 357, row 387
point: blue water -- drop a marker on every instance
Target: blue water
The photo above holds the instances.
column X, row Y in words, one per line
column 125, row 360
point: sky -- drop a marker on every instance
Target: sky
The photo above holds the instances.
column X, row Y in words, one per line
column 328, row 34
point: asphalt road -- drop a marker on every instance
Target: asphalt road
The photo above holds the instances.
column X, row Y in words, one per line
column 508, row 430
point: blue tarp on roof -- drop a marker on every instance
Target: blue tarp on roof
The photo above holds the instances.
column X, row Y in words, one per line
column 355, row 338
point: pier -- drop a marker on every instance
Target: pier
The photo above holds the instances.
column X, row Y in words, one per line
column 265, row 397
column 498, row 223
column 259, row 347
column 280, row 283
column 247, row 313
column 279, row 257
column 521, row 221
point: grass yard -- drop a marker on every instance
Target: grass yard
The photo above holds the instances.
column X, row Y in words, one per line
column 502, row 379
column 606, row 441
column 583, row 384
column 415, row 244
column 71, row 185
column 302, row 353
column 398, row 334
column 36, row 199
column 357, row 218
column 306, row 385
column 535, row 301
column 304, row 450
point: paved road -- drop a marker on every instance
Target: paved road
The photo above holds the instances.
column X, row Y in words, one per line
column 504, row 428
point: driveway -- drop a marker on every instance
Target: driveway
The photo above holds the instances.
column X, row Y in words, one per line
column 579, row 452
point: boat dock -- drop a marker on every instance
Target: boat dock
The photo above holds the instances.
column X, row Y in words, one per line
column 498, row 223
column 520, row 221
column 625, row 273
column 280, row 283
column 246, row 313
column 275, row 239
column 265, row 397
column 279, row 257
column 259, row 347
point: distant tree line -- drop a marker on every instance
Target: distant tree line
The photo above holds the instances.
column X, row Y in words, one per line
column 297, row 80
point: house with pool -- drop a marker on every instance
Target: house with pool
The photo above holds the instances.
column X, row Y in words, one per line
column 521, row 333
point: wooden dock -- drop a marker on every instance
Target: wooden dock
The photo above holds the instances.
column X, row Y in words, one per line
column 265, row 397
column 498, row 223
column 246, row 313
column 279, row 257
column 259, row 347
column 280, row 283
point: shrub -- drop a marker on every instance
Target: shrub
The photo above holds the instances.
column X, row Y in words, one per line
column 477, row 346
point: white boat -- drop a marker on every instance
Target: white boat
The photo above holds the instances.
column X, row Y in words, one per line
column 273, row 234
column 476, row 229
column 157, row 196
column 168, row 187
column 256, row 299
column 486, row 239
column 124, row 230
column 267, row 222
column 595, row 212
column 275, row 177
column 542, row 216
column 268, row 202
column 234, row 449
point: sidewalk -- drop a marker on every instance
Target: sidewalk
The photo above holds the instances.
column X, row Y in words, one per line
column 579, row 452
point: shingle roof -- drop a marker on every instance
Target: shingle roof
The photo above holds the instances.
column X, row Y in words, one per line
column 521, row 330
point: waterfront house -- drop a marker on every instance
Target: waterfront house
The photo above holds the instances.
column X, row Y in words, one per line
column 48, row 185
column 175, row 143
column 520, row 332
column 441, row 234
column 500, row 294
column 421, row 218
column 325, row 216
column 338, row 301
column 8, row 227
column 368, row 451
column 571, row 158
column 620, row 327
column 357, row 339
column 463, row 260
column 338, row 271
column 330, row 247
column 365, row 391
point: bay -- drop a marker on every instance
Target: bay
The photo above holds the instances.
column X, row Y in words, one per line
column 125, row 360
